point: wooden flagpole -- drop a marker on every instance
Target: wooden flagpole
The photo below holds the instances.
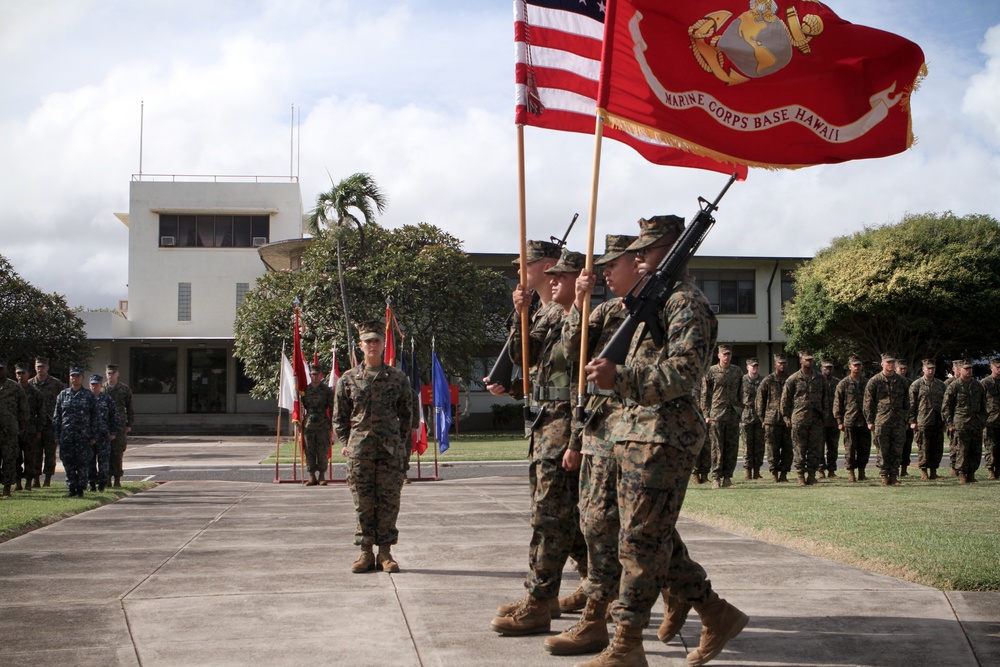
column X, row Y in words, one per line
column 277, row 447
column 581, row 388
column 523, row 230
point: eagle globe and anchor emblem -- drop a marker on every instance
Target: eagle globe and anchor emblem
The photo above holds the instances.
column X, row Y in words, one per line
column 756, row 43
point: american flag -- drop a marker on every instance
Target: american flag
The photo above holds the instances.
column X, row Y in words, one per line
column 557, row 46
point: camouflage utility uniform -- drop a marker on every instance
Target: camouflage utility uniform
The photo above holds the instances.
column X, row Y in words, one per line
column 372, row 413
column 751, row 427
column 803, row 401
column 50, row 388
column 107, row 425
column 991, row 432
column 925, row 411
column 964, row 411
column 777, row 436
column 721, row 404
column 848, row 410
column 13, row 419
column 122, row 396
column 887, row 405
column 31, row 451
column 317, row 400
column 75, row 426
column 831, row 433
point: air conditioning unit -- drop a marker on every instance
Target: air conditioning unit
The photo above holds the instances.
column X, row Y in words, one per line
column 168, row 241
column 258, row 241
column 716, row 308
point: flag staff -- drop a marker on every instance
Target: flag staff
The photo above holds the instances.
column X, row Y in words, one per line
column 581, row 388
column 523, row 264
column 420, row 403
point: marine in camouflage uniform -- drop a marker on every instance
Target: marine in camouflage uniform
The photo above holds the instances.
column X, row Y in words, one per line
column 803, row 405
column 964, row 411
column 751, row 428
column 848, row 410
column 887, row 405
column 50, row 388
column 926, row 422
column 317, row 401
column 656, row 441
column 902, row 370
column 30, row 442
column 777, row 436
column 107, row 428
column 554, row 480
column 991, row 432
column 703, row 462
column 122, row 395
column 831, row 432
column 13, row 420
column 722, row 409
column 75, row 425
column 372, row 417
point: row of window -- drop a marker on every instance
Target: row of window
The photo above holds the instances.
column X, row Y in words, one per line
column 184, row 299
column 153, row 370
column 214, row 231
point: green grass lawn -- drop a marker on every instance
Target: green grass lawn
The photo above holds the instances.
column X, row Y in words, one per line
column 467, row 447
column 25, row 511
column 937, row 533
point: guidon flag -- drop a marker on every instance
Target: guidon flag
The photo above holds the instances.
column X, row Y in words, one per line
column 769, row 83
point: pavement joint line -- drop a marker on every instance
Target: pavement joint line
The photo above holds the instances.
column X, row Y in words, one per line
column 965, row 632
column 406, row 619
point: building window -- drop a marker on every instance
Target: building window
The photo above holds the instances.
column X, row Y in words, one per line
column 787, row 285
column 241, row 293
column 244, row 383
column 154, row 370
column 729, row 291
column 183, row 302
column 214, row 231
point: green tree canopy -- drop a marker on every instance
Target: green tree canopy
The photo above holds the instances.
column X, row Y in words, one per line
column 36, row 324
column 922, row 288
column 436, row 292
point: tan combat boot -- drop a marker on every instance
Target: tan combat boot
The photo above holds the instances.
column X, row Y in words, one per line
column 716, row 483
column 322, row 482
column 6, row 491
column 365, row 562
column 831, row 474
column 531, row 617
column 589, row 635
column 774, row 477
column 902, row 470
column 312, row 479
column 675, row 612
column 625, row 650
column 720, row 622
column 821, row 474
column 923, row 475
column 704, row 477
column 749, row 474
column 991, row 474
column 783, row 476
column 385, row 562
column 861, row 475
column 575, row 601
column 811, row 479
column 727, row 482
column 802, row 479
column 507, row 609
column 850, row 475
column 118, row 482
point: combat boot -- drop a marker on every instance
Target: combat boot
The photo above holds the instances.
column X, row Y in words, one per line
column 93, row 487
column 27, row 484
column 6, row 490
column 101, row 487
column 48, row 480
column 385, row 561
column 18, row 487
column 831, row 474
column 756, row 473
column 727, row 482
column 531, row 617
column 962, row 478
column 118, row 482
column 932, row 473
column 783, row 476
column 696, row 478
column 38, row 483
column 802, row 479
column 992, row 474
column 365, row 562
column 720, row 622
column 312, row 479
column 902, row 470
column 589, row 635
column 716, row 484
column 774, row 477
column 861, row 475
column 821, row 474
column 885, row 480
column 322, row 481
column 850, row 475
column 954, row 472
column 675, row 612
column 575, row 601
column 507, row 609
column 625, row 650
column 972, row 477
column 749, row 474
column 811, row 479
column 893, row 479
column 704, row 477
column 923, row 475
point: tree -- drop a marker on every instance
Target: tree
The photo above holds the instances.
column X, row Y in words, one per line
column 921, row 288
column 333, row 210
column 33, row 323
column 436, row 291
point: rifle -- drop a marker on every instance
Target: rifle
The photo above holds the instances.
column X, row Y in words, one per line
column 646, row 298
column 503, row 368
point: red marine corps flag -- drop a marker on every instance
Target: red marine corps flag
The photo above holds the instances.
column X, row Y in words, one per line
column 558, row 63
column 770, row 83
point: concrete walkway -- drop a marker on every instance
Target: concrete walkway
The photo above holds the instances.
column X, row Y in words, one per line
column 238, row 573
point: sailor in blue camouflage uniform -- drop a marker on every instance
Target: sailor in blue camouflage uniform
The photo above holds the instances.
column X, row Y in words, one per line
column 372, row 417
column 75, row 426
column 13, row 420
column 108, row 427
column 553, row 473
column 656, row 440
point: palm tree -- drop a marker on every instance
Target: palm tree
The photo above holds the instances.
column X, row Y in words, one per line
column 333, row 211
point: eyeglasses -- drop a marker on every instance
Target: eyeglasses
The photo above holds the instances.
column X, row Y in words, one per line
column 642, row 251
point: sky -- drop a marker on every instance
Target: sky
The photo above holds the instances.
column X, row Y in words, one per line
column 420, row 94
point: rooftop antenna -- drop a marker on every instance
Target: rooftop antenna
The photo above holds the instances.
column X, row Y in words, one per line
column 298, row 146
column 142, row 112
column 291, row 146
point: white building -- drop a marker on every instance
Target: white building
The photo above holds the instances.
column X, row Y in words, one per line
column 193, row 255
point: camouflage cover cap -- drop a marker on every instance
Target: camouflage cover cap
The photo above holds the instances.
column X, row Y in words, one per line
column 752, row 361
column 854, row 360
column 780, row 357
column 21, row 368
column 569, row 262
column 41, row 361
column 75, row 370
column 902, row 362
column 96, row 379
column 888, row 357
column 614, row 247
column 995, row 361
column 655, row 228
column 929, row 363
column 539, row 250
column 806, row 354
column 315, row 368
column 965, row 363
column 726, row 348
column 370, row 330
column 827, row 363
column 111, row 368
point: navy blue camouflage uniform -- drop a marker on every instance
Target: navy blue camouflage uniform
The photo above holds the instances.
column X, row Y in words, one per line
column 75, row 425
